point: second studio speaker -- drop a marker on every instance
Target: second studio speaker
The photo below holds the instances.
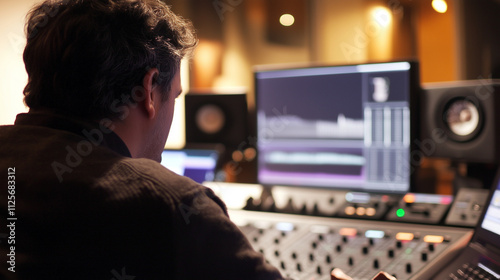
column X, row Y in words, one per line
column 459, row 120
column 216, row 118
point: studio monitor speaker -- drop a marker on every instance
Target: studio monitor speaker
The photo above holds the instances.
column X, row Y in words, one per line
column 459, row 120
column 216, row 118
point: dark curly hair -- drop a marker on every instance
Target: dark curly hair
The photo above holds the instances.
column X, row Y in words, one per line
column 84, row 57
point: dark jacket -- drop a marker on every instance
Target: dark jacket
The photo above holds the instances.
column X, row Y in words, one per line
column 83, row 209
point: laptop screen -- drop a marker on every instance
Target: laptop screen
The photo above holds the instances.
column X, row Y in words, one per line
column 197, row 164
column 491, row 220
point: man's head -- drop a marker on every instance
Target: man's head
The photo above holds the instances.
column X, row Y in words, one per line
column 85, row 57
column 108, row 59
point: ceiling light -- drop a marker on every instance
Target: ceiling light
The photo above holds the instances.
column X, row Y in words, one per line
column 287, row 20
column 440, row 6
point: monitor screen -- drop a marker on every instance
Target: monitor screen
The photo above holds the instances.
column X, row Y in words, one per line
column 491, row 220
column 197, row 164
column 339, row 127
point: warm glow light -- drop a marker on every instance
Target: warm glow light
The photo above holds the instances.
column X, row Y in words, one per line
column 237, row 156
column 433, row 239
column 440, row 6
column 13, row 75
column 177, row 136
column 404, row 236
column 382, row 16
column 409, row 198
column 287, row 20
column 360, row 211
column 349, row 210
column 250, row 154
column 370, row 211
column 348, row 231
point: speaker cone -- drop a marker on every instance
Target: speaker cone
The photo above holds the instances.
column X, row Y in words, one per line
column 216, row 118
column 210, row 119
column 462, row 118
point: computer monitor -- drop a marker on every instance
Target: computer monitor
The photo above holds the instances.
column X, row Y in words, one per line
column 338, row 127
column 197, row 164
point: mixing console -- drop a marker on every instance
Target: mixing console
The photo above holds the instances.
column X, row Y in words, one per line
column 430, row 209
column 307, row 248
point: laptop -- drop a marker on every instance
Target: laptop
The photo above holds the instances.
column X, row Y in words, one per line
column 197, row 164
column 481, row 257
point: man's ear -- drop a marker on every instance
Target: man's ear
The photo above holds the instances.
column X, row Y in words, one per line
column 148, row 85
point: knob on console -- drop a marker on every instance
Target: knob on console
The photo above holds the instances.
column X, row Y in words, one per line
column 251, row 205
column 390, row 253
column 338, row 248
column 424, row 256
column 375, row 264
column 289, row 207
column 364, row 250
column 328, row 259
column 408, row 268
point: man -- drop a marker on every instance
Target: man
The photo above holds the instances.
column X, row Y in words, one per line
column 85, row 196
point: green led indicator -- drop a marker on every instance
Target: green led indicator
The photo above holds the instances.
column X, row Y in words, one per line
column 400, row 213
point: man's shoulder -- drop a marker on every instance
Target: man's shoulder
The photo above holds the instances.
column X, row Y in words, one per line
column 140, row 175
column 149, row 170
column 146, row 182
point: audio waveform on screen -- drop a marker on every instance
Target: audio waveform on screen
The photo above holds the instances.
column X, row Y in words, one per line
column 295, row 127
